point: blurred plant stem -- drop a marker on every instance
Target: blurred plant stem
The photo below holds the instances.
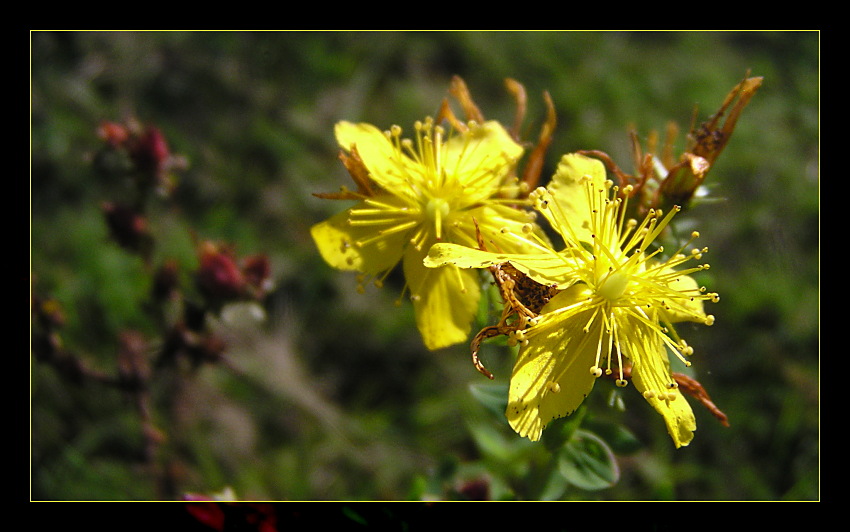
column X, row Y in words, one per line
column 151, row 372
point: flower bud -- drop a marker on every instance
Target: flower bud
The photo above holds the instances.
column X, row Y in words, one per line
column 127, row 227
column 257, row 272
column 218, row 276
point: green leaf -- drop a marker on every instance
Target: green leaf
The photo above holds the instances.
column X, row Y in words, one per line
column 619, row 438
column 494, row 396
column 560, row 431
column 554, row 486
column 492, row 443
column 588, row 463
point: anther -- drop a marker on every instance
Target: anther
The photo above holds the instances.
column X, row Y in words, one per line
column 596, row 371
column 622, row 383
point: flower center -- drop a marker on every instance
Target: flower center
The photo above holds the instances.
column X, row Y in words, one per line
column 437, row 210
column 613, row 287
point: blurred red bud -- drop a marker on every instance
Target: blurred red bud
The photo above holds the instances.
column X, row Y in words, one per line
column 166, row 280
column 258, row 271
column 113, row 134
column 218, row 276
column 150, row 152
column 128, row 227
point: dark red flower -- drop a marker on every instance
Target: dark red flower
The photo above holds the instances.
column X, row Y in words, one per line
column 150, row 152
column 128, row 227
column 219, row 276
column 257, row 270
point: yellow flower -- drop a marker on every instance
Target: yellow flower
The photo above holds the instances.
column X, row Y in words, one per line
column 617, row 300
column 415, row 192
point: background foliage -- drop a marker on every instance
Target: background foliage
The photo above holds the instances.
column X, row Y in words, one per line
column 336, row 398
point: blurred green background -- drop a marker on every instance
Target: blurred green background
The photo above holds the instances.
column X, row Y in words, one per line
column 337, row 398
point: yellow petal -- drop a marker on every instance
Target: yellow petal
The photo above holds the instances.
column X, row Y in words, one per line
column 685, row 309
column 445, row 300
column 545, row 268
column 572, row 168
column 337, row 243
column 481, row 157
column 569, row 193
column 383, row 161
column 552, row 376
column 503, row 229
column 651, row 372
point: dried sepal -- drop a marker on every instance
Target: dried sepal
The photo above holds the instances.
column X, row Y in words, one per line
column 689, row 386
column 534, row 165
column 518, row 91
column 661, row 178
column 523, row 299
column 445, row 114
column 708, row 140
column 693, row 388
column 359, row 174
column 460, row 91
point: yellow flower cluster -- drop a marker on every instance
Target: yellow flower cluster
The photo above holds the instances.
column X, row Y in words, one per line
column 615, row 300
column 446, row 203
column 433, row 188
